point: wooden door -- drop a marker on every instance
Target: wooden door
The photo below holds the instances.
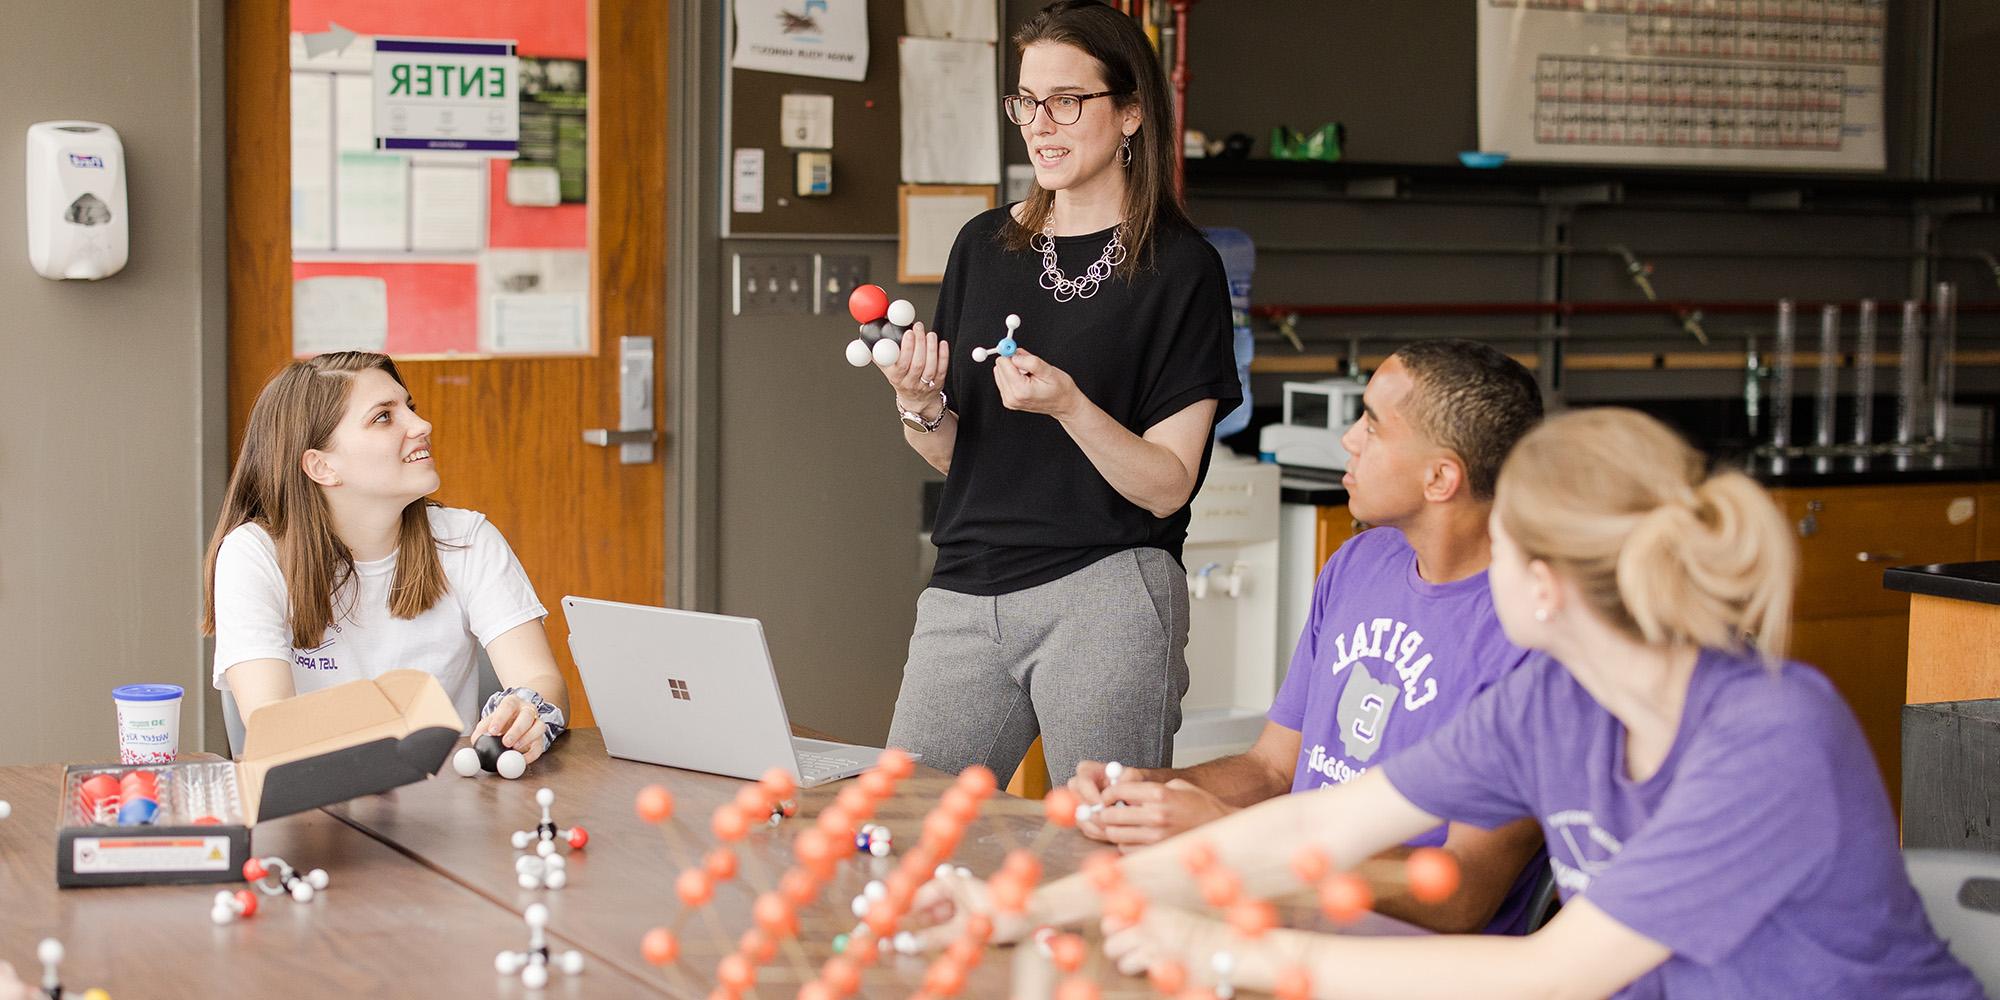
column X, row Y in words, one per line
column 508, row 431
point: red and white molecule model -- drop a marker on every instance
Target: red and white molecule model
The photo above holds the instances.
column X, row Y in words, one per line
column 50, row 954
column 882, row 325
column 232, row 906
column 273, row 877
column 545, row 834
column 533, row 965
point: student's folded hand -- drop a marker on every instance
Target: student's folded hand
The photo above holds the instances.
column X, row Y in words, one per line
column 1166, row 934
column 943, row 905
column 1146, row 812
column 11, row 986
column 518, row 727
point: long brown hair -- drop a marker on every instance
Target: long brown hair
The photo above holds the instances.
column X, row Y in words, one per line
column 1660, row 548
column 1132, row 70
column 297, row 412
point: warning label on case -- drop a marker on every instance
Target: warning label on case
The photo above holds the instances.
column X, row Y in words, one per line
column 107, row 856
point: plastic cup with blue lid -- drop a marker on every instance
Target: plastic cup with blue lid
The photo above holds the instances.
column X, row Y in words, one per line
column 149, row 722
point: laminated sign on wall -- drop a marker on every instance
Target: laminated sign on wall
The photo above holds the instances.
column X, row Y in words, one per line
column 827, row 38
column 447, row 95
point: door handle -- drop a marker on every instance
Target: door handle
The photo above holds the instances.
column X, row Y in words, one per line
column 634, row 434
column 1876, row 557
column 605, row 437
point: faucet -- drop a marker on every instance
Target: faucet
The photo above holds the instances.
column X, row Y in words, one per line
column 1639, row 272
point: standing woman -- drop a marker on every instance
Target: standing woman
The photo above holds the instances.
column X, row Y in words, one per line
column 1059, row 604
column 330, row 562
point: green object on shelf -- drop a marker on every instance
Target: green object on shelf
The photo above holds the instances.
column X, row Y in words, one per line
column 1322, row 144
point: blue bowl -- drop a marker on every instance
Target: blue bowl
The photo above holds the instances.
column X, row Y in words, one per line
column 1481, row 161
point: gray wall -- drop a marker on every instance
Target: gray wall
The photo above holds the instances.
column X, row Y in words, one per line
column 107, row 434
column 818, row 498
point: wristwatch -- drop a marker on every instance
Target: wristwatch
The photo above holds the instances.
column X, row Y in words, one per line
column 916, row 422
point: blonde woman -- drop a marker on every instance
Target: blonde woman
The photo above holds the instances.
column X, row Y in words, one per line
column 1715, row 822
column 330, row 564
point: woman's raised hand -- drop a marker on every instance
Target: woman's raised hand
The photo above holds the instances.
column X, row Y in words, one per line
column 918, row 374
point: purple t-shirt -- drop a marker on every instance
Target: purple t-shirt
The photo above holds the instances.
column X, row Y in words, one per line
column 1385, row 659
column 1762, row 852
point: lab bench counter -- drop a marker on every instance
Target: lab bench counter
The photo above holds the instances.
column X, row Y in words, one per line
column 1954, row 652
column 1978, row 582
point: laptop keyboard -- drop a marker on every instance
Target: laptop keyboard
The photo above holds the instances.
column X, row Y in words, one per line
column 817, row 765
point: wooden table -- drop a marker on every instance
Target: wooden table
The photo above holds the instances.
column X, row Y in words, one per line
column 424, row 892
column 386, row 926
column 621, row 884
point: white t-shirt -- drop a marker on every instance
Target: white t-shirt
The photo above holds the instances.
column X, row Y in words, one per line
column 486, row 593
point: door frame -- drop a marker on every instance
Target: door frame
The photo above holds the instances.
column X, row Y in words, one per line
column 694, row 274
column 629, row 162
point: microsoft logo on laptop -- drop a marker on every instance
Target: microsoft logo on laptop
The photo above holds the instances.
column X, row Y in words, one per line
column 679, row 688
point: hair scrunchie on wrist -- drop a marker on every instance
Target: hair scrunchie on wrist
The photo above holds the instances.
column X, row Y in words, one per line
column 551, row 717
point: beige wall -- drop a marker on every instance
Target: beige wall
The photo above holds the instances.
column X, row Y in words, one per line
column 109, row 445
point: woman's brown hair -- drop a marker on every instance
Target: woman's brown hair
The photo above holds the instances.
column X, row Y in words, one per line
column 1132, row 71
column 295, row 413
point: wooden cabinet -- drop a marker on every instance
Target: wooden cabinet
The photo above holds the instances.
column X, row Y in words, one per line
column 1331, row 527
column 1844, row 621
column 1989, row 521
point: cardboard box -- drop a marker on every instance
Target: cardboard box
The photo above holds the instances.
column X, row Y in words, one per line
column 314, row 750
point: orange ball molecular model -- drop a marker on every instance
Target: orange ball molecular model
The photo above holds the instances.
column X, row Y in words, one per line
column 839, row 840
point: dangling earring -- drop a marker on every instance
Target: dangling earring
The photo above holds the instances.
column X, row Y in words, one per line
column 1125, row 151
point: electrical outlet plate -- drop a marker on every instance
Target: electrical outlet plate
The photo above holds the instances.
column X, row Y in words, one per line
column 839, row 276
column 773, row 284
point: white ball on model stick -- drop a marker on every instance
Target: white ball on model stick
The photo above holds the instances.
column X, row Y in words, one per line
column 902, row 313
column 887, row 351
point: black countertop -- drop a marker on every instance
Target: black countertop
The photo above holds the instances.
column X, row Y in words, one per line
column 1954, row 465
column 1973, row 581
column 1960, row 465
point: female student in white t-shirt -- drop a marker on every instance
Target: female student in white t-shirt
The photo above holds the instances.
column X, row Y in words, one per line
column 330, row 564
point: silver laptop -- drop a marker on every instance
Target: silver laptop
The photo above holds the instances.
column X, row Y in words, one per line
column 694, row 691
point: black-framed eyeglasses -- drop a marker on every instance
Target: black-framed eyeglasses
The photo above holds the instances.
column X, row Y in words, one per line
column 1064, row 109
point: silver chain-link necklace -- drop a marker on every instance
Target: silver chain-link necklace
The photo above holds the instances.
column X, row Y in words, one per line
column 1084, row 285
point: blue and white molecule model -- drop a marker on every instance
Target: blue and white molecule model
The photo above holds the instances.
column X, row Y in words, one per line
column 1006, row 347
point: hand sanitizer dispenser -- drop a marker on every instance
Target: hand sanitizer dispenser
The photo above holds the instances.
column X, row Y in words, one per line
column 76, row 200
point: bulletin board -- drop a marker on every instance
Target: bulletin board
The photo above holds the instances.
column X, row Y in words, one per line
column 444, row 300
column 867, row 142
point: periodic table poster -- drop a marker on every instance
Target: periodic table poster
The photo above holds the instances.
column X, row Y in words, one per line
column 1792, row 84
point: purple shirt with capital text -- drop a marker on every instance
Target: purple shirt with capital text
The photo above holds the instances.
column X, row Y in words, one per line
column 1385, row 659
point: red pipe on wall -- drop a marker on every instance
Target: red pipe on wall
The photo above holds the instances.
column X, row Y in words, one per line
column 1280, row 311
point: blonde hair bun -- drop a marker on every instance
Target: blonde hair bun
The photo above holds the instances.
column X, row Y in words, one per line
column 1615, row 501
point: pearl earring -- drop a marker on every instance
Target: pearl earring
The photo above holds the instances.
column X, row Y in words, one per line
column 1541, row 614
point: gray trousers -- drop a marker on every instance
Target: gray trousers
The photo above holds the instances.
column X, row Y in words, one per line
column 1095, row 662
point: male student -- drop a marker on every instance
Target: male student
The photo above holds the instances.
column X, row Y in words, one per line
column 1401, row 636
